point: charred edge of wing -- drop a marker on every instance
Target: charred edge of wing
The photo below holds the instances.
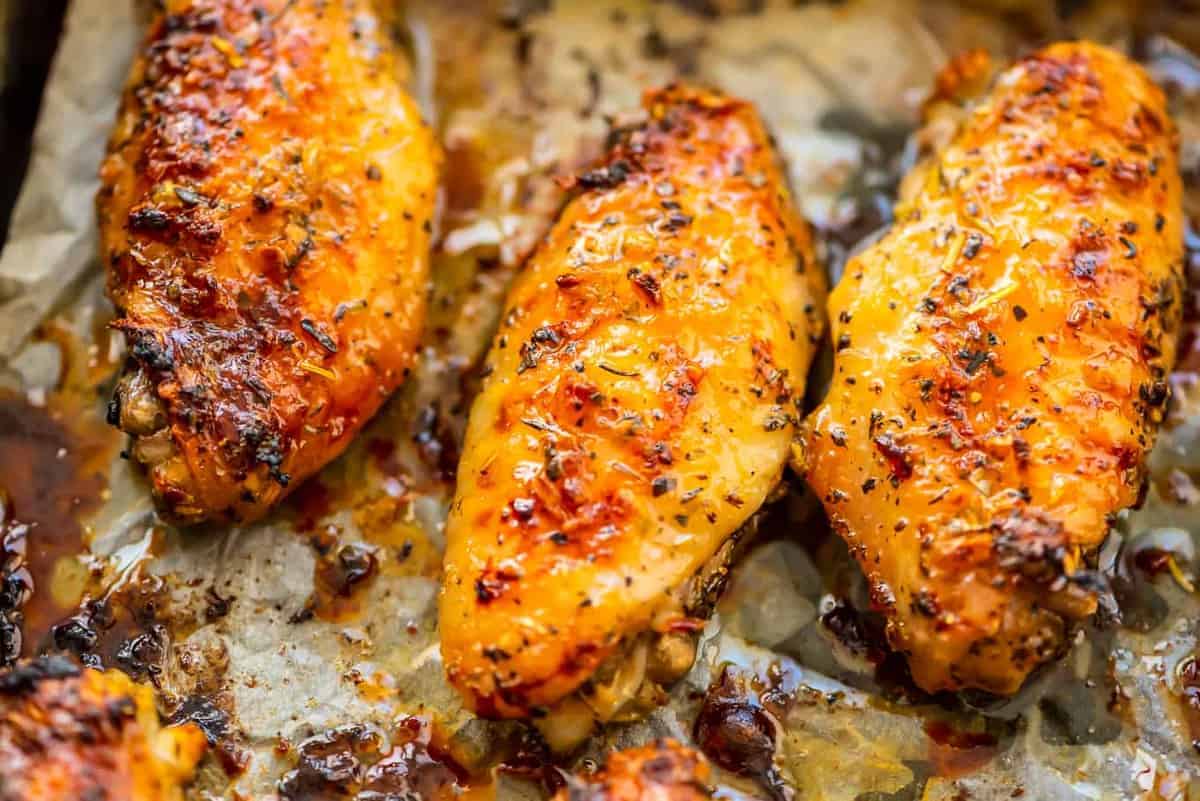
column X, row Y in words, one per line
column 26, row 677
column 668, row 110
column 664, row 657
column 1037, row 549
column 72, row 728
column 49, row 704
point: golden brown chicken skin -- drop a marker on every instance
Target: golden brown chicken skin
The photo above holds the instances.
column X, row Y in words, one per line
column 264, row 214
column 1001, row 367
column 68, row 734
column 637, row 410
column 661, row 771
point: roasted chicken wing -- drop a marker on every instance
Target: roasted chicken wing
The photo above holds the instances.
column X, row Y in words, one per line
column 661, row 771
column 68, row 734
column 1001, row 366
column 637, row 410
column 265, row 214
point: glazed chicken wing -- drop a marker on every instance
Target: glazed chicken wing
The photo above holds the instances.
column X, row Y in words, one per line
column 1001, row 366
column 264, row 213
column 68, row 734
column 637, row 410
column 661, row 771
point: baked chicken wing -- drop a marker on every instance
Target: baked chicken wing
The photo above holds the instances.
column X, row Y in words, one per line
column 661, row 771
column 264, row 214
column 1001, row 365
column 68, row 734
column 637, row 409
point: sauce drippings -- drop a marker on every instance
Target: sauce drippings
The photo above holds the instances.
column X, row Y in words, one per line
column 312, row 502
column 52, row 473
column 955, row 753
column 385, row 538
column 1153, row 561
column 737, row 732
column 342, row 573
column 355, row 762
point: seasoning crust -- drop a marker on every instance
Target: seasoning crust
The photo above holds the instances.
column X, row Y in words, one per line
column 1001, row 367
column 638, row 405
column 265, row 216
column 68, row 734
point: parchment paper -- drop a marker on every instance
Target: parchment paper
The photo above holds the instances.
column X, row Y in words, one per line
column 522, row 93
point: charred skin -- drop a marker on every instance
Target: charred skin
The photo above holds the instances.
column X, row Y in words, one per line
column 1001, row 366
column 264, row 214
column 637, row 408
column 68, row 734
column 661, row 771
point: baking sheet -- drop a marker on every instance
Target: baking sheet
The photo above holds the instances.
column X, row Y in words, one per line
column 263, row 634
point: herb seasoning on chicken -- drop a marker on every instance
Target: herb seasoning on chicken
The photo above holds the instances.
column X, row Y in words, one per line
column 638, row 407
column 1001, row 367
column 264, row 214
column 68, row 733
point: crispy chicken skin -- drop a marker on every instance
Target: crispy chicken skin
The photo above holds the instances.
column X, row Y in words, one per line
column 638, row 405
column 1001, row 366
column 264, row 214
column 661, row 771
column 69, row 734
